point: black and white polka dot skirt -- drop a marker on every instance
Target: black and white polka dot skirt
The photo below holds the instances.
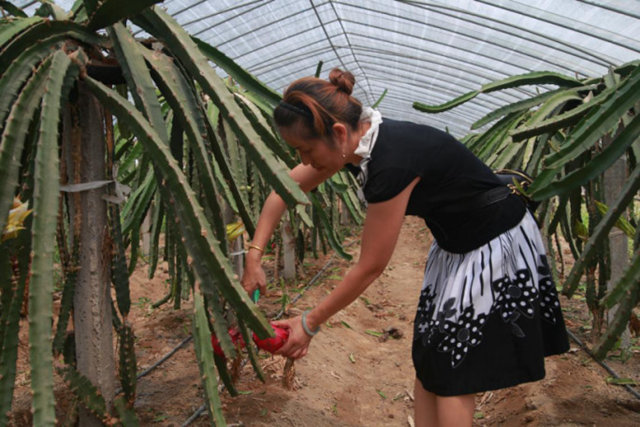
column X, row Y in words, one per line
column 487, row 318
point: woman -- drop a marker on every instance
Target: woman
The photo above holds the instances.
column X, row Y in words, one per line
column 488, row 312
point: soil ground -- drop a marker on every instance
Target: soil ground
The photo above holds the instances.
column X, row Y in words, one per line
column 351, row 376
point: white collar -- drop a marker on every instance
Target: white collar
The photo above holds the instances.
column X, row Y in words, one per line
column 365, row 146
column 368, row 140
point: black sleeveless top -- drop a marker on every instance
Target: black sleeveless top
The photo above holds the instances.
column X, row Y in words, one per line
column 449, row 174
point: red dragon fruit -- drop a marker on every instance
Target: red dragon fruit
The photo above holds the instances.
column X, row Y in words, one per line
column 272, row 344
column 236, row 339
column 268, row 344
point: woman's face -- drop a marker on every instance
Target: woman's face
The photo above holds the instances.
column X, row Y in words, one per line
column 317, row 152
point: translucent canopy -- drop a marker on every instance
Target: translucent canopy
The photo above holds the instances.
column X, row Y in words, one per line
column 427, row 51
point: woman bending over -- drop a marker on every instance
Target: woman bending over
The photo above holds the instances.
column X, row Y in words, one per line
column 488, row 311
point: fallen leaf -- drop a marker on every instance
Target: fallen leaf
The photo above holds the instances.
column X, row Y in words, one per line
column 620, row 381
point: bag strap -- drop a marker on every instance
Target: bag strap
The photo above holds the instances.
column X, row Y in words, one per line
column 487, row 198
column 495, row 195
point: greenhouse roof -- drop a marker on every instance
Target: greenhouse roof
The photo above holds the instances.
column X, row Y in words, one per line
column 426, row 51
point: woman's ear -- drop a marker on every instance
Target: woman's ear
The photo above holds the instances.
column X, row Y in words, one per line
column 340, row 134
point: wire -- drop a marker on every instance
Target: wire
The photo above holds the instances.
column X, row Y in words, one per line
column 165, row 357
column 601, row 363
column 195, row 415
column 160, row 361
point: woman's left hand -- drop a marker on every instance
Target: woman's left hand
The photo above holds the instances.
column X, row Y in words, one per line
column 298, row 342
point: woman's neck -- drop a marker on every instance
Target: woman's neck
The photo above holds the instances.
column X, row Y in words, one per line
column 355, row 140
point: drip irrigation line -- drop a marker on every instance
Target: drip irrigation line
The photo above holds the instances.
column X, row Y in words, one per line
column 195, row 415
column 189, row 338
column 313, row 280
column 160, row 361
column 601, row 363
column 199, row 412
column 165, row 357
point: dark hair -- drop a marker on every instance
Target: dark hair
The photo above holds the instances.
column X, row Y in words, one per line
column 318, row 103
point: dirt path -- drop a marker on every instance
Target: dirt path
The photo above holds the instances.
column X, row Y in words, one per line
column 350, row 376
column 376, row 389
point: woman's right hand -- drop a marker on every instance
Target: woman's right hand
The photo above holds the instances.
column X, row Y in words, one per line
column 254, row 277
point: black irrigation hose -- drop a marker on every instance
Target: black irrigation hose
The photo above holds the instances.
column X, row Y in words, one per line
column 313, row 280
column 160, row 361
column 165, row 357
column 601, row 363
column 195, row 415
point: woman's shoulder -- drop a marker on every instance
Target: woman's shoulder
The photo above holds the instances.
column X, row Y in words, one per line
column 413, row 138
column 408, row 128
column 402, row 141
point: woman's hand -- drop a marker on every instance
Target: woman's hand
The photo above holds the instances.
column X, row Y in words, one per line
column 254, row 277
column 298, row 343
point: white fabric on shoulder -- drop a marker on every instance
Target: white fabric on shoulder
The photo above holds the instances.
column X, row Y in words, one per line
column 368, row 140
column 366, row 144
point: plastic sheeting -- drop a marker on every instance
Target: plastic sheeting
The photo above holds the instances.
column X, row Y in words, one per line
column 427, row 51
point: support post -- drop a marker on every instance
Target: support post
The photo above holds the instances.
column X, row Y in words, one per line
column 288, row 249
column 614, row 180
column 84, row 137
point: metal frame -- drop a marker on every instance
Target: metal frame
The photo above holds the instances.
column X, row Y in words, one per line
column 429, row 51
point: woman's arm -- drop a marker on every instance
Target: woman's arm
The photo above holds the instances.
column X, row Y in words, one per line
column 253, row 277
column 379, row 237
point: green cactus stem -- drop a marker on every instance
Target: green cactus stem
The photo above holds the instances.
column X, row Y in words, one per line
column 127, row 362
column 207, row 260
column 14, row 134
column 45, row 204
column 204, row 350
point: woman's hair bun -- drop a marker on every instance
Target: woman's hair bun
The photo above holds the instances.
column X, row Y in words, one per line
column 344, row 80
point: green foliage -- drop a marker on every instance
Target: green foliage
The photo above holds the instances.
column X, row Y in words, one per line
column 165, row 28
column 10, row 327
column 109, row 12
column 204, row 350
column 629, row 285
column 119, row 272
column 14, row 135
column 208, row 262
column 538, row 77
column 127, row 363
column 44, row 230
column 125, row 412
column 251, row 350
column 244, row 79
column 194, row 150
column 88, row 395
column 601, row 230
column 12, row 9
